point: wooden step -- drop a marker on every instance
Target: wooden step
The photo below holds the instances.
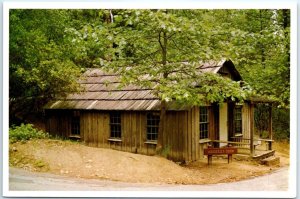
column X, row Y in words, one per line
column 264, row 155
column 271, row 161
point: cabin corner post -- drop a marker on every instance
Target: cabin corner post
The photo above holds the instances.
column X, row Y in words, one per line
column 252, row 129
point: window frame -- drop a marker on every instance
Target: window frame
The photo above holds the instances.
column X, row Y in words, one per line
column 153, row 126
column 239, row 120
column 115, row 125
column 204, row 132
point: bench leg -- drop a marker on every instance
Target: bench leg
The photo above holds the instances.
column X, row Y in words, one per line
column 209, row 159
column 229, row 158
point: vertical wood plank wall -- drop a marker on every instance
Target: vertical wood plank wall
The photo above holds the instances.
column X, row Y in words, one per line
column 180, row 140
column 191, row 150
column 133, row 132
column 246, row 120
column 58, row 123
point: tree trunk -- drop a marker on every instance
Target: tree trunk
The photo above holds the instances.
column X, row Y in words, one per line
column 161, row 129
column 286, row 24
column 162, row 121
column 262, row 52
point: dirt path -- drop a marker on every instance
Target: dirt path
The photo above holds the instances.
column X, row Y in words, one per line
column 78, row 161
column 20, row 179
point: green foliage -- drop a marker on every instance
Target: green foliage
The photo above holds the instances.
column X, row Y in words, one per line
column 165, row 151
column 264, row 135
column 280, row 121
column 281, row 124
column 160, row 49
column 257, row 41
column 41, row 65
column 261, row 119
column 40, row 164
column 25, row 132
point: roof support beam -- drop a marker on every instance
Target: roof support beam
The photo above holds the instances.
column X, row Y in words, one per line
column 252, row 152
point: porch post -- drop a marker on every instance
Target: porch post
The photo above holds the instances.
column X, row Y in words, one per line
column 270, row 128
column 270, row 123
column 251, row 129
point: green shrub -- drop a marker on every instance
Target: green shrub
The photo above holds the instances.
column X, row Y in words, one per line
column 280, row 121
column 165, row 152
column 25, row 132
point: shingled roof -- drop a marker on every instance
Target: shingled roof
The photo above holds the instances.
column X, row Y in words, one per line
column 102, row 92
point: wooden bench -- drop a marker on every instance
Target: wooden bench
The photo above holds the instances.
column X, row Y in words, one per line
column 256, row 143
column 268, row 143
column 219, row 151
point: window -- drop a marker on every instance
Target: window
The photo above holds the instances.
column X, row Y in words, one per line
column 238, row 119
column 75, row 123
column 204, row 122
column 152, row 126
column 115, row 125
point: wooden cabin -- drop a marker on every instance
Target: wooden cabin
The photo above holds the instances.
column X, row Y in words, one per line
column 127, row 119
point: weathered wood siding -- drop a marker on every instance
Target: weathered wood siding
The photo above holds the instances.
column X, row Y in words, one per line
column 58, row 123
column 173, row 137
column 95, row 131
column 191, row 146
column 246, row 120
column 94, row 128
column 180, row 139
column 133, row 133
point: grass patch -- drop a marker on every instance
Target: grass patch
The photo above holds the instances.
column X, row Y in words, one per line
column 20, row 160
column 39, row 164
column 282, row 146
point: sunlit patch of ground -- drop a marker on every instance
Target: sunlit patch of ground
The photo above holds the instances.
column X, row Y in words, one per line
column 76, row 160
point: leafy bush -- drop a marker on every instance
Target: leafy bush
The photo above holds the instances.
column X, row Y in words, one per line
column 165, row 152
column 281, row 124
column 280, row 121
column 25, row 132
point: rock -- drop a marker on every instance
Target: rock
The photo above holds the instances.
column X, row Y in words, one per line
column 14, row 149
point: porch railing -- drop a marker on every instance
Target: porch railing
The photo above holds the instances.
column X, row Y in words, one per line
column 243, row 144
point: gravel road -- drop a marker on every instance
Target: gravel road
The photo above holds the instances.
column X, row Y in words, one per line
column 30, row 181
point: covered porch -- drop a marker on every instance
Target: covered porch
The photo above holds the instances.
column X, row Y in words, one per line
column 250, row 143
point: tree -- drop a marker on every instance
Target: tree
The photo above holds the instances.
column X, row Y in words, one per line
column 161, row 49
column 40, row 67
column 258, row 42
